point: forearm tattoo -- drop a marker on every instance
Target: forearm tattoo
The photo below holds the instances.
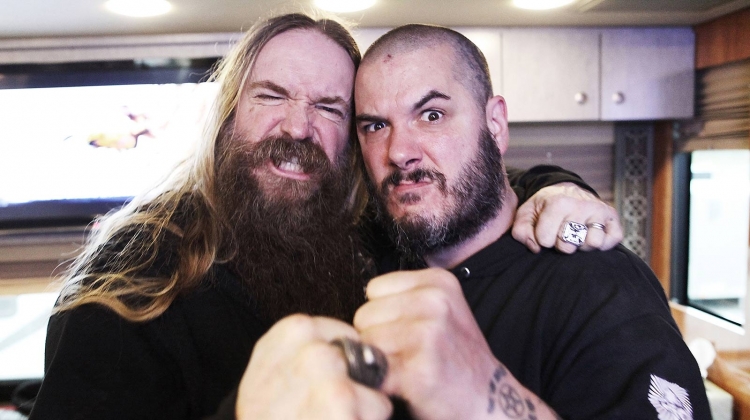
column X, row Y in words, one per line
column 506, row 398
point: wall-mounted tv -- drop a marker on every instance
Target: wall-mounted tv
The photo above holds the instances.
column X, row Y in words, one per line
column 79, row 139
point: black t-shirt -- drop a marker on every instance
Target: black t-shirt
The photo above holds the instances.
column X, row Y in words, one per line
column 591, row 333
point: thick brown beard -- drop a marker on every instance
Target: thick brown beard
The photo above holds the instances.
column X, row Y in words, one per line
column 293, row 244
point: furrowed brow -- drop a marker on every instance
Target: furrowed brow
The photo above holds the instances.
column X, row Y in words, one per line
column 333, row 100
column 367, row 118
column 267, row 84
column 428, row 97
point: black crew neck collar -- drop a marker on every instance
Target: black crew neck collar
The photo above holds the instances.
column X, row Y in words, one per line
column 500, row 252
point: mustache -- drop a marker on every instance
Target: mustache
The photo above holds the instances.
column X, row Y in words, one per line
column 416, row 175
column 306, row 153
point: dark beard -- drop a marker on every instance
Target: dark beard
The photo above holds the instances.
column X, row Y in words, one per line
column 292, row 243
column 477, row 198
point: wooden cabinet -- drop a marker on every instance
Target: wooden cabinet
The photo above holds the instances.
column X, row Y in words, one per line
column 585, row 74
column 551, row 74
column 647, row 73
column 560, row 74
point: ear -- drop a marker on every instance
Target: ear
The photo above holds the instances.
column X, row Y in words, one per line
column 497, row 121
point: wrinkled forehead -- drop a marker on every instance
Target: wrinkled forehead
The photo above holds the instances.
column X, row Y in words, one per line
column 306, row 58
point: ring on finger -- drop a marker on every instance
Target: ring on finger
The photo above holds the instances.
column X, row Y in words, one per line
column 574, row 233
column 595, row 225
column 365, row 363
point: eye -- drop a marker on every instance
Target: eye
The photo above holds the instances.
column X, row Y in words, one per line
column 371, row 128
column 431, row 115
column 339, row 114
column 265, row 97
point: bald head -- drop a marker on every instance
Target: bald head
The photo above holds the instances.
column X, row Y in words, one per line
column 469, row 68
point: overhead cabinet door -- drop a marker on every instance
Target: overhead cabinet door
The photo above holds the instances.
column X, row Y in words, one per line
column 647, row 73
column 551, row 74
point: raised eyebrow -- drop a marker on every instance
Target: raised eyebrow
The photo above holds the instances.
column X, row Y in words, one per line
column 428, row 97
column 267, row 84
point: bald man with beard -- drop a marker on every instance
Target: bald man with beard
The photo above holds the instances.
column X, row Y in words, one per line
column 491, row 330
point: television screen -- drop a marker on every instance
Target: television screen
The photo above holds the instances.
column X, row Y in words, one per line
column 79, row 140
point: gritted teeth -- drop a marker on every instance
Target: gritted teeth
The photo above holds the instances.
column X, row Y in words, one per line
column 408, row 181
column 291, row 166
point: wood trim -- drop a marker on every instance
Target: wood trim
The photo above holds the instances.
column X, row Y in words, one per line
column 731, row 369
column 731, row 372
column 21, row 286
column 723, row 40
column 661, row 215
column 714, row 144
column 724, row 335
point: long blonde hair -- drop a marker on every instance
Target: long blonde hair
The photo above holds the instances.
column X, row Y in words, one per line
column 178, row 221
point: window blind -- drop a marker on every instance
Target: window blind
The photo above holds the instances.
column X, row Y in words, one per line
column 722, row 109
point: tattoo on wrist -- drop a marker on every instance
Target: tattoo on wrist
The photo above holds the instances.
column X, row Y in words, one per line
column 504, row 397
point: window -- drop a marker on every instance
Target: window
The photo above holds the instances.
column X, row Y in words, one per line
column 718, row 232
column 710, row 237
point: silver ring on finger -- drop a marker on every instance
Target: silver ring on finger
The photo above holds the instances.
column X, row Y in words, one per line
column 365, row 363
column 574, row 233
column 595, row 225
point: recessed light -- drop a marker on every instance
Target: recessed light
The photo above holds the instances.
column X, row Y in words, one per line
column 138, row 8
column 344, row 6
column 541, row 4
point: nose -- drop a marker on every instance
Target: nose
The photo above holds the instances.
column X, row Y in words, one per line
column 404, row 151
column 297, row 122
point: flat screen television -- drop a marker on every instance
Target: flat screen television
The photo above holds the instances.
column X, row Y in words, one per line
column 80, row 139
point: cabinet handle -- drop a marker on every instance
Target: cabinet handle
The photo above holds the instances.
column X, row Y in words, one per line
column 618, row 97
column 580, row 98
